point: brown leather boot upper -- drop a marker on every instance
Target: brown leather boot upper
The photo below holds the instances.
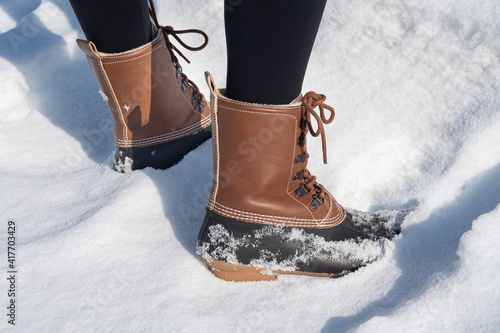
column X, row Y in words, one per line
column 149, row 97
column 260, row 163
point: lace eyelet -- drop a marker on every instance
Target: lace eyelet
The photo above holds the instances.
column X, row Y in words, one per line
column 183, row 86
column 300, row 158
column 178, row 72
column 300, row 191
column 201, row 107
column 302, row 140
column 299, row 175
column 315, row 204
column 302, row 124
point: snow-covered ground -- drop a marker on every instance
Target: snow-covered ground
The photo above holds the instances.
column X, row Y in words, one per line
column 416, row 88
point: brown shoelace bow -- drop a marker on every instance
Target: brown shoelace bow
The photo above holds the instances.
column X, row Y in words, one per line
column 310, row 101
column 168, row 30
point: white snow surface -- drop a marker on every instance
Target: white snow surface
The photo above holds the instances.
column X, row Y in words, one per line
column 416, row 89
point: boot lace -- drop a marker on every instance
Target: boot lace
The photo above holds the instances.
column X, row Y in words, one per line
column 197, row 97
column 310, row 102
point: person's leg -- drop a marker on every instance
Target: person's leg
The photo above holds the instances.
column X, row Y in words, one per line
column 268, row 47
column 114, row 25
column 267, row 214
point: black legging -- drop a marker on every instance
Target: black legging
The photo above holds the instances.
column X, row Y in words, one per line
column 268, row 42
column 114, row 25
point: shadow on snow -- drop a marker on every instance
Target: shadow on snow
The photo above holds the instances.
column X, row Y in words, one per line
column 429, row 247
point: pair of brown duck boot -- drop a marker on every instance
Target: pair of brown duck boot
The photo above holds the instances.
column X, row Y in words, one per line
column 266, row 213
